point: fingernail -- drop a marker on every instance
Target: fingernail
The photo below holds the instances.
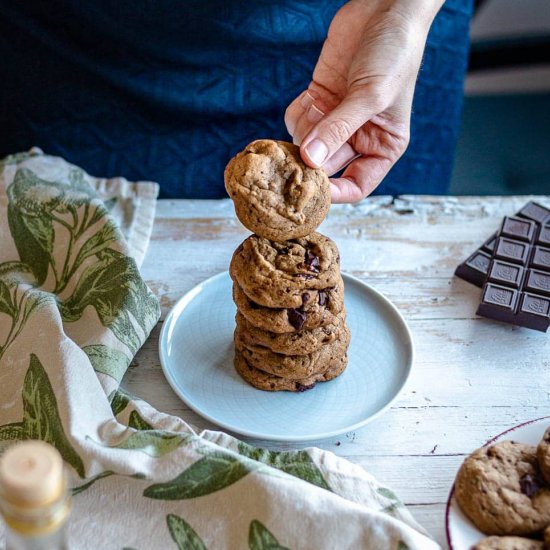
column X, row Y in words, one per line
column 306, row 100
column 317, row 152
column 290, row 126
column 314, row 114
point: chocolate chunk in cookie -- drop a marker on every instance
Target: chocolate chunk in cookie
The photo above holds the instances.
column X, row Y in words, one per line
column 309, row 316
column 272, row 279
column 292, row 343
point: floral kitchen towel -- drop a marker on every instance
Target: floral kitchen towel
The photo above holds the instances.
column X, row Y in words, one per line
column 73, row 312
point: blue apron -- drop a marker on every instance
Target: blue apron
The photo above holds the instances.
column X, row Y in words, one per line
column 169, row 90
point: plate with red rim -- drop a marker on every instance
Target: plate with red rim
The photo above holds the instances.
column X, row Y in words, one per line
column 462, row 534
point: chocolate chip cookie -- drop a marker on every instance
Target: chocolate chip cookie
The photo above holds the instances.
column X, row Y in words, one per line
column 291, row 343
column 508, row 543
column 310, row 315
column 500, row 488
column 270, row 382
column 276, row 195
column 293, row 367
column 543, row 455
column 280, row 274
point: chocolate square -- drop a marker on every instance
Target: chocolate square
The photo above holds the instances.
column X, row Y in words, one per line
column 544, row 236
column 538, row 282
column 534, row 211
column 489, row 244
column 474, row 269
column 500, row 296
column 505, row 273
column 534, row 312
column 511, row 251
column 541, row 257
column 518, row 229
column 536, row 305
column 479, row 261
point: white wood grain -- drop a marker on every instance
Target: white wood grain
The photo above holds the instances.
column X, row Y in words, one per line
column 472, row 378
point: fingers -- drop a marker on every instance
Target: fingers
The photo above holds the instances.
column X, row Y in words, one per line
column 337, row 127
column 340, row 159
column 360, row 179
column 306, row 122
column 296, row 111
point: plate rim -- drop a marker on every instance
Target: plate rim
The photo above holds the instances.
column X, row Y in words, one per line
column 488, row 442
column 409, row 344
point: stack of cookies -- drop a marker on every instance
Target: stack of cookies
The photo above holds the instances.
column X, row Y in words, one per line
column 505, row 490
column 291, row 323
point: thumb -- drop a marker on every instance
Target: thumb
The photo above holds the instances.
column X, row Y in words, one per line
column 337, row 127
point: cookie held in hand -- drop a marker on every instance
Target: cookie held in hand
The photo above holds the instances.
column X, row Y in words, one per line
column 276, row 195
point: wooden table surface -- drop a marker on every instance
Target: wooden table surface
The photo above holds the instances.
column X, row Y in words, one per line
column 472, row 378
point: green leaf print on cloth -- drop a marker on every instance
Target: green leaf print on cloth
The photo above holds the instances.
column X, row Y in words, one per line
column 107, row 360
column 183, row 534
column 295, row 463
column 390, row 495
column 209, row 474
column 113, row 287
column 119, row 401
column 77, row 490
column 38, row 209
column 41, row 416
column 12, row 432
column 155, row 443
column 259, row 538
column 40, row 212
column 19, row 299
column 135, row 421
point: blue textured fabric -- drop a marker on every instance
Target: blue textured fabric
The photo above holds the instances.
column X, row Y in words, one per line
column 169, row 90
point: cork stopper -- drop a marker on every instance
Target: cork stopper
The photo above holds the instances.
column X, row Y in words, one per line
column 31, row 473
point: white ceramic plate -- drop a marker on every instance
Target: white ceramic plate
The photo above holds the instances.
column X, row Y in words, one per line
column 462, row 534
column 196, row 353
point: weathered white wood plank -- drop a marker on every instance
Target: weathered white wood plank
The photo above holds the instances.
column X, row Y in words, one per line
column 432, row 518
column 419, row 479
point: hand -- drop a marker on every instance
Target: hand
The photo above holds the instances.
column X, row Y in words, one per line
column 357, row 109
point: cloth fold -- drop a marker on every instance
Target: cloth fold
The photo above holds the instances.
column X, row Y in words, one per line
column 74, row 310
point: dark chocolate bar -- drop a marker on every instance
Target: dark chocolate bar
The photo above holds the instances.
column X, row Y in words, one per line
column 517, row 289
column 475, row 268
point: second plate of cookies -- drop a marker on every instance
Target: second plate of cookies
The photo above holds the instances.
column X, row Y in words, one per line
column 197, row 356
column 507, row 456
